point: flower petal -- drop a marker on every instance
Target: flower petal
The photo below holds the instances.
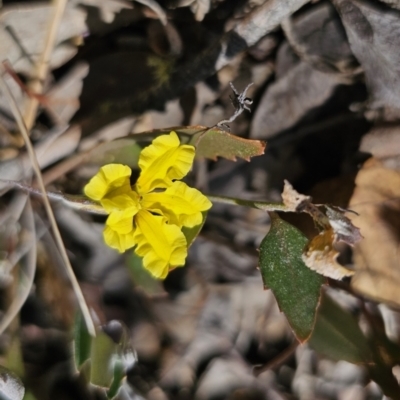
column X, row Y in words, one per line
column 181, row 204
column 120, row 242
column 161, row 245
column 128, row 201
column 164, row 160
column 120, row 221
column 109, row 177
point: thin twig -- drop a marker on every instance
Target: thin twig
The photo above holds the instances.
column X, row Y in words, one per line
column 240, row 102
column 278, row 360
column 32, row 155
column 36, row 85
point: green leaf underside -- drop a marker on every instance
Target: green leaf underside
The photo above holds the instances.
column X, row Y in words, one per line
column 102, row 351
column 141, row 277
column 82, row 341
column 122, row 151
column 192, row 233
column 297, row 289
column 337, row 334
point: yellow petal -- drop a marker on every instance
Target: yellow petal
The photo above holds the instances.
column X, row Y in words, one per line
column 109, row 178
column 121, row 221
column 120, row 242
column 161, row 162
column 181, row 204
column 128, row 201
column 162, row 246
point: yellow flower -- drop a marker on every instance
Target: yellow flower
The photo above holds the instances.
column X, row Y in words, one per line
column 150, row 215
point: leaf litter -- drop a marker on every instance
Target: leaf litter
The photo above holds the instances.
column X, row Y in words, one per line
column 313, row 65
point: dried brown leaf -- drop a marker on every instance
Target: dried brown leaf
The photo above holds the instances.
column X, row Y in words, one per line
column 376, row 199
column 22, row 42
column 320, row 256
column 373, row 31
column 64, row 96
column 107, row 8
column 318, row 37
column 342, row 226
column 156, row 8
column 294, row 200
column 290, row 98
column 382, row 142
column 200, row 9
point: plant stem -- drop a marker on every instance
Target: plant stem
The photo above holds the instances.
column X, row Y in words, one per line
column 260, row 205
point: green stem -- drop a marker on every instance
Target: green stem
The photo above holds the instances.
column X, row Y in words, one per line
column 260, row 205
column 76, row 202
column 84, row 204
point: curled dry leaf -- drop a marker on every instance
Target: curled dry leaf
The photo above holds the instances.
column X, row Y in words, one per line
column 376, row 258
column 200, row 9
column 320, row 256
column 383, row 142
column 296, row 202
column 292, row 199
column 342, row 226
column 156, row 8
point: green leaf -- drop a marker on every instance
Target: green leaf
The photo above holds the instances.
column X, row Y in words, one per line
column 124, row 151
column 119, row 375
column 209, row 142
column 296, row 287
column 337, row 334
column 102, row 364
column 29, row 396
column 13, row 359
column 192, row 233
column 142, row 278
column 82, row 341
column 218, row 143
